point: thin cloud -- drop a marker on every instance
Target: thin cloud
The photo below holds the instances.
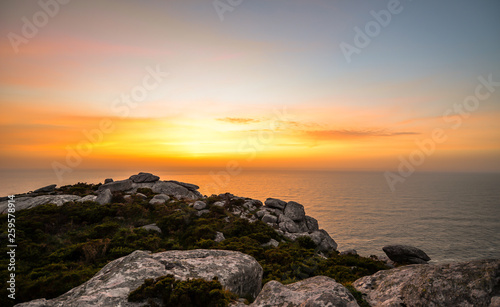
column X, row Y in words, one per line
column 239, row 120
column 351, row 133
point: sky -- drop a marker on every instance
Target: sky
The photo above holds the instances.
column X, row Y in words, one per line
column 296, row 84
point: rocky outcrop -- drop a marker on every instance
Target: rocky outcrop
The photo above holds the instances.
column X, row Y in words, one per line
column 31, row 202
column 406, row 254
column 317, row 291
column 174, row 189
column 236, row 271
column 47, row 189
column 117, row 186
column 474, row 284
column 159, row 199
column 87, row 198
column 144, row 177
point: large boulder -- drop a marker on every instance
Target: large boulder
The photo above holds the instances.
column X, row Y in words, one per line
column 144, row 177
column 406, row 254
column 319, row 291
column 104, row 197
column 475, row 283
column 174, row 189
column 31, row 202
column 295, row 211
column 189, row 186
column 111, row 286
column 275, row 203
column 117, row 186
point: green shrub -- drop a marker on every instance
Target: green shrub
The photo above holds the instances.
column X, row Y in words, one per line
column 192, row 292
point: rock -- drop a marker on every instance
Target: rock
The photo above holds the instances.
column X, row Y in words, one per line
column 219, row 237
column 47, row 189
column 142, row 196
column 159, row 199
column 319, row 291
column 472, row 283
column 260, row 213
column 144, row 177
column 189, row 186
column 323, row 240
column 275, row 203
column 289, row 226
column 201, row 212
column 104, row 197
column 219, row 204
column 349, row 252
column 87, row 198
column 406, row 254
column 108, row 180
column 142, row 185
column 199, row 205
column 237, row 272
column 295, row 211
column 117, row 186
column 170, row 188
column 268, row 218
column 152, row 227
column 23, row 203
column 311, row 223
column 272, row 243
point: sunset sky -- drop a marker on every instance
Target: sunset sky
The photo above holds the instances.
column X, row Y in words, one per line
column 268, row 86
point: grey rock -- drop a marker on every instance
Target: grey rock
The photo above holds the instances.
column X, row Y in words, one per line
column 272, row 243
column 260, row 213
column 146, row 185
column 87, row 198
column 117, row 186
column 236, row 271
column 406, row 254
column 219, row 204
column 269, row 219
column 323, row 240
column 47, row 189
column 140, row 195
column 104, row 197
column 201, row 212
column 199, row 205
column 152, row 227
column 295, row 211
column 349, row 252
column 289, row 226
column 473, row 283
column 319, row 291
column 219, row 237
column 189, row 186
column 171, row 188
column 275, row 203
column 144, row 177
column 23, row 203
column 311, row 223
column 108, row 180
column 159, row 199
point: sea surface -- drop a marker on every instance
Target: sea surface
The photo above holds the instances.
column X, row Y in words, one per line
column 451, row 216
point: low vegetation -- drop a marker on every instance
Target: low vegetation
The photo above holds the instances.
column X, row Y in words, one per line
column 59, row 248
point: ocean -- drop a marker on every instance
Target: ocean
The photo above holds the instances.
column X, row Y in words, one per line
column 451, row 216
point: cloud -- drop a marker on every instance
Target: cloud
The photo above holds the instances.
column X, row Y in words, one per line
column 352, row 133
column 239, row 120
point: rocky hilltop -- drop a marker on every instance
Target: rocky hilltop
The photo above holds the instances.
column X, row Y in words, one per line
column 147, row 242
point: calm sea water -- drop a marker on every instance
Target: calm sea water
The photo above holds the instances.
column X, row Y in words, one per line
column 453, row 217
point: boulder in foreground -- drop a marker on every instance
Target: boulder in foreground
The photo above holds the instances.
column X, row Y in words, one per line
column 474, row 284
column 237, row 272
column 316, row 291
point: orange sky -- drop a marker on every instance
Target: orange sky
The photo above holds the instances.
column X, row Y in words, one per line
column 277, row 99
